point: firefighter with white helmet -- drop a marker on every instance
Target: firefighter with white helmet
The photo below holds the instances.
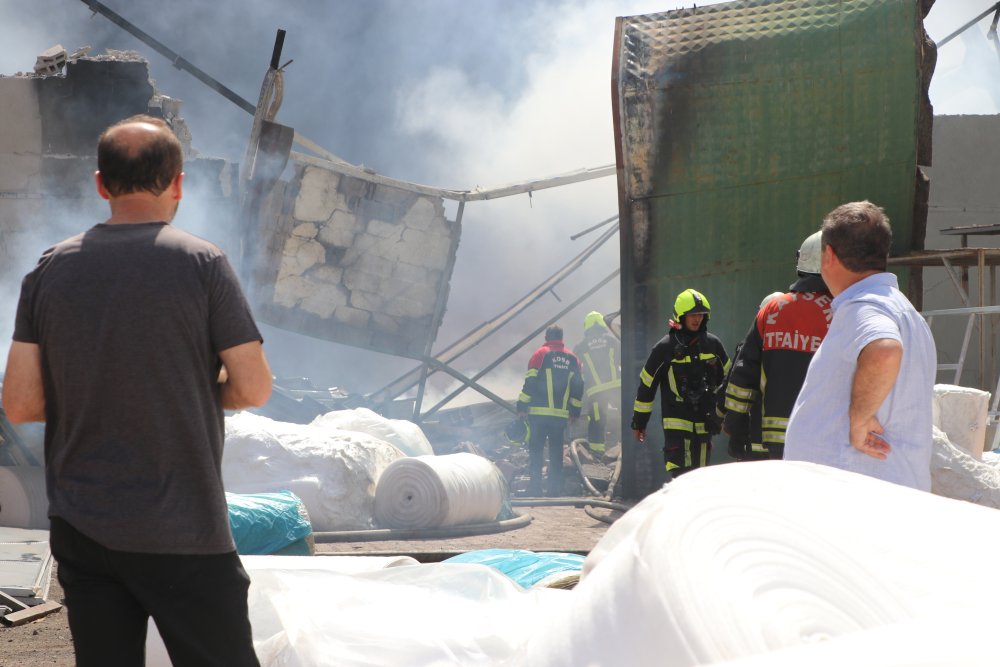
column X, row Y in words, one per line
column 772, row 362
column 688, row 365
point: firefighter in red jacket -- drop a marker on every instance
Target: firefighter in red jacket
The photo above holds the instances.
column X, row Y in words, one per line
column 552, row 394
column 600, row 353
column 772, row 363
column 688, row 365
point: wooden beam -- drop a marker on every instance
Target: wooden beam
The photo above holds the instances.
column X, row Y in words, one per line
column 31, row 613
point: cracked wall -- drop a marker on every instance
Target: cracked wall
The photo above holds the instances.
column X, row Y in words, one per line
column 355, row 262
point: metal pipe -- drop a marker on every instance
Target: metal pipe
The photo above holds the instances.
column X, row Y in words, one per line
column 968, row 25
column 176, row 59
column 524, row 341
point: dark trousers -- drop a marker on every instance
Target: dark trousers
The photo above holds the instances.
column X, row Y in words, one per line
column 604, row 414
column 550, row 429
column 684, row 451
column 199, row 603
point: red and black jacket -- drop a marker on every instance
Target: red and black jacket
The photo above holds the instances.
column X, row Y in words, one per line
column 775, row 356
column 553, row 385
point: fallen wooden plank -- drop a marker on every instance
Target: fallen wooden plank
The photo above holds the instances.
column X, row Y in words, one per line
column 31, row 613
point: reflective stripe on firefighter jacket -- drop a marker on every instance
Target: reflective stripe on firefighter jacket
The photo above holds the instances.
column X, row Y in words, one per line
column 599, row 357
column 553, row 386
column 775, row 356
column 688, row 368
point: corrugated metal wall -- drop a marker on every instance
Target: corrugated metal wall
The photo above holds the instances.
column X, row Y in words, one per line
column 738, row 127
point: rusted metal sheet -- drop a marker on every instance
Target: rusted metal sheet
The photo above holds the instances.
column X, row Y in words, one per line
column 738, row 126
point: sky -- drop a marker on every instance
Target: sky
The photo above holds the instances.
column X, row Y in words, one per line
column 451, row 93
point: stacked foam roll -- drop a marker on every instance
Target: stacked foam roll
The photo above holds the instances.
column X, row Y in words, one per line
column 436, row 491
column 23, row 503
column 744, row 559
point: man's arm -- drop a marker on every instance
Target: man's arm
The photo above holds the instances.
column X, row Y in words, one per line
column 876, row 373
column 247, row 378
column 23, row 394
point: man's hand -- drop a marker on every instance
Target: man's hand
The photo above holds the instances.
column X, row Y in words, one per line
column 874, row 377
column 866, row 437
column 640, row 434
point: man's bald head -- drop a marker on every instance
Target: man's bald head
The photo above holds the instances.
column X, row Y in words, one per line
column 138, row 154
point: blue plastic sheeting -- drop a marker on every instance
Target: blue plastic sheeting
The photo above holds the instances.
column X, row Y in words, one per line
column 263, row 523
column 526, row 568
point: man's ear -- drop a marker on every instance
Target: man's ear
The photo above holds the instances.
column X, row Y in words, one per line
column 177, row 187
column 101, row 190
column 828, row 256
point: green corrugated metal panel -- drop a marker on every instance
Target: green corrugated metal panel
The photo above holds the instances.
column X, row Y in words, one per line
column 739, row 126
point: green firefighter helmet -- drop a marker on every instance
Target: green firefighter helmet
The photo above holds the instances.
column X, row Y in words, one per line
column 690, row 302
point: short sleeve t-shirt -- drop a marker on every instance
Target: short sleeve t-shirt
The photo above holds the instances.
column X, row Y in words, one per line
column 130, row 320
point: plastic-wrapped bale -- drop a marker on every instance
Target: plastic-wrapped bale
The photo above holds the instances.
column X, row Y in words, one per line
column 543, row 569
column 437, row 491
column 268, row 523
column 962, row 413
column 333, row 472
column 406, row 436
column 732, row 561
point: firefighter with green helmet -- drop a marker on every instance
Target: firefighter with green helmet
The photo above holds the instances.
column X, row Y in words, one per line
column 600, row 355
column 688, row 366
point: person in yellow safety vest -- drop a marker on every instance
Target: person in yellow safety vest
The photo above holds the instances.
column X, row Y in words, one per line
column 552, row 395
column 689, row 364
column 600, row 353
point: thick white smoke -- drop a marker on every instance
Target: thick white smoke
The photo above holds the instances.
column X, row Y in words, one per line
column 443, row 92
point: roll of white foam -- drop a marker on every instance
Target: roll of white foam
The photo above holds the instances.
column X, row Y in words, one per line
column 736, row 560
column 23, row 503
column 435, row 491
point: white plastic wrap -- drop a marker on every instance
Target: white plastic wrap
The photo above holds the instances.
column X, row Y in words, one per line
column 334, row 472
column 406, row 436
column 23, row 503
column 263, row 615
column 736, row 560
column 955, row 473
column 961, row 412
column 436, row 491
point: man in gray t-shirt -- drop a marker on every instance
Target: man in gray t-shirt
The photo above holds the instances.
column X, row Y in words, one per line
column 865, row 405
column 130, row 340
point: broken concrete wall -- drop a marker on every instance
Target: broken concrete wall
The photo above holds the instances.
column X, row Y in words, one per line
column 355, row 262
column 48, row 145
column 330, row 256
column 963, row 193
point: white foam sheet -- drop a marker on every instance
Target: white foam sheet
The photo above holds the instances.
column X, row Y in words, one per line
column 333, row 472
column 742, row 559
column 436, row 491
column 962, row 413
column 948, row 641
column 404, row 435
column 23, row 502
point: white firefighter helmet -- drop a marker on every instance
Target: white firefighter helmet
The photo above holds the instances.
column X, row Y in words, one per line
column 769, row 298
column 810, row 253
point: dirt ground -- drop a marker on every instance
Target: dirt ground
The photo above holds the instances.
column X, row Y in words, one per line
column 46, row 642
